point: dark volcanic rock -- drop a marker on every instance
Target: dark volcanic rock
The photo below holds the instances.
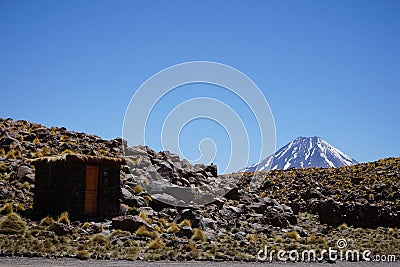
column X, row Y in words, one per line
column 62, row 229
column 128, row 223
column 356, row 214
column 186, row 231
column 233, row 194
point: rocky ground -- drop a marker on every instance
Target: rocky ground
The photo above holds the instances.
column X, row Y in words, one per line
column 19, row 261
column 291, row 210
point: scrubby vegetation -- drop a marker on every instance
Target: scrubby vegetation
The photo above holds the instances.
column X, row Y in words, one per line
column 232, row 228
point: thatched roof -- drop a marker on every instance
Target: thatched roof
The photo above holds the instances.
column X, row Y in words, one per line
column 77, row 157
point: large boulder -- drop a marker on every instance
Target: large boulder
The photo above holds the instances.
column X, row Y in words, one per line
column 129, row 223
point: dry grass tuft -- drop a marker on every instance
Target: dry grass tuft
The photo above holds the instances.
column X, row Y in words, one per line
column 47, row 221
column 64, row 218
column 185, row 222
column 100, row 239
column 143, row 215
column 7, row 209
column 156, row 244
column 173, row 229
column 83, row 254
column 293, row 235
column 199, row 235
column 138, row 189
column 143, row 232
column 12, row 224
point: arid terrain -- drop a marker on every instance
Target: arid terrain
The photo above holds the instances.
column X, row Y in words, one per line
column 291, row 210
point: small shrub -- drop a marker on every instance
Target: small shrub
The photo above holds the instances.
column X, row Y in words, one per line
column 36, row 141
column 251, row 237
column 162, row 222
column 394, row 232
column 12, row 224
column 119, row 233
column 7, row 209
column 64, row 218
column 185, row 222
column 10, row 154
column 53, row 130
column 148, row 198
column 100, row 240
column 189, row 247
column 173, row 229
column 83, row 254
column 26, row 185
column 343, row 226
column 3, row 166
column 293, row 235
column 156, row 244
column 143, row 215
column 37, row 154
column 142, row 231
column 47, row 221
column 131, row 253
column 199, row 235
column 46, row 151
column 85, row 225
column 48, row 245
column 20, row 207
column 64, row 138
column 138, row 189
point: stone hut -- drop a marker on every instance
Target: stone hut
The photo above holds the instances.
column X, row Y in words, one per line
column 84, row 186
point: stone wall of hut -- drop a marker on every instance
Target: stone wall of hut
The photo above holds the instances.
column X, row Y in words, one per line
column 60, row 186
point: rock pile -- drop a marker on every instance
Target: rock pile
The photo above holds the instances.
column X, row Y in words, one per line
column 170, row 209
column 365, row 195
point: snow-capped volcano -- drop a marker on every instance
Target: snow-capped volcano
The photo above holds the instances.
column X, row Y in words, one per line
column 304, row 152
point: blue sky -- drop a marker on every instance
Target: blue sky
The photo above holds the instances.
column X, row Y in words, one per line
column 327, row 68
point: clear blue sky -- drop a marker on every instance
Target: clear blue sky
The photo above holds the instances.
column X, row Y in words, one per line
column 327, row 68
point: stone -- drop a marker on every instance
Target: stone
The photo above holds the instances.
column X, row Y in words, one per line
column 8, row 140
column 186, row 231
column 123, row 208
column 42, row 132
column 23, row 170
column 62, row 229
column 161, row 201
column 212, row 169
column 208, row 223
column 138, row 201
column 210, row 235
column 219, row 202
column 234, row 209
column 128, row 223
column 233, row 194
column 240, row 236
column 4, row 193
column 127, row 197
column 258, row 207
column 300, row 231
column 191, row 215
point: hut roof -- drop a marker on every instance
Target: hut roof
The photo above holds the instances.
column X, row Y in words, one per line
column 78, row 157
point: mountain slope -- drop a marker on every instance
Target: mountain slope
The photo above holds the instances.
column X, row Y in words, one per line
column 304, row 152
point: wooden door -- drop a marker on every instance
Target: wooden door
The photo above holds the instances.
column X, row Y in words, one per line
column 92, row 184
